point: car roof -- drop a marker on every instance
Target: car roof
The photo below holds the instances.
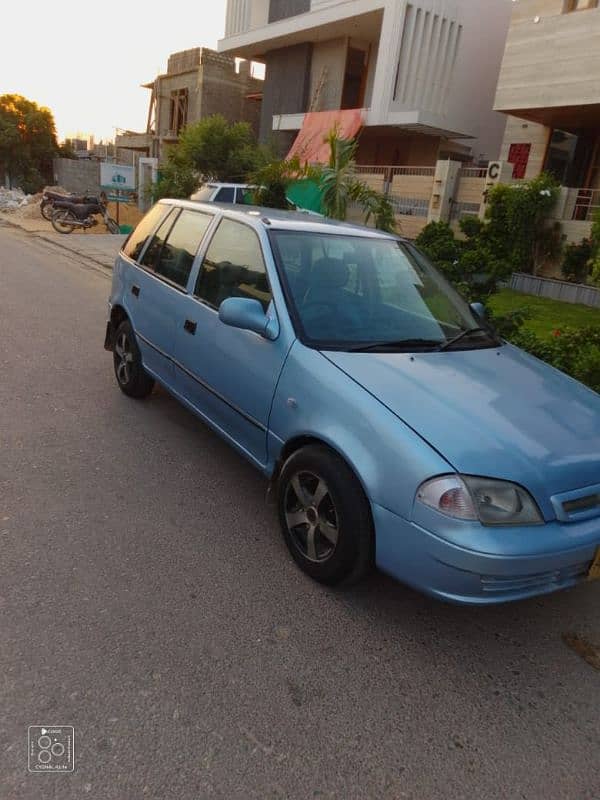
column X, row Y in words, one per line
column 276, row 219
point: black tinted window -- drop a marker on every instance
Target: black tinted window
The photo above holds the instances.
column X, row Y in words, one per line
column 225, row 195
column 233, row 266
column 177, row 254
column 135, row 244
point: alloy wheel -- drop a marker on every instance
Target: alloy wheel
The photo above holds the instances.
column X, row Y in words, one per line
column 123, row 358
column 311, row 516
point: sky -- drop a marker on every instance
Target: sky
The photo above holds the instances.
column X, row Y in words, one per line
column 85, row 61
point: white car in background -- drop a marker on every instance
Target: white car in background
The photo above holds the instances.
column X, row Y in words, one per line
column 240, row 193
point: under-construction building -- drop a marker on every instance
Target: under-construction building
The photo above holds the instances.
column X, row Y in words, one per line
column 197, row 84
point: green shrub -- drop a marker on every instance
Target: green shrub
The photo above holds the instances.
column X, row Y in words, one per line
column 577, row 261
column 573, row 351
column 518, row 230
column 595, row 257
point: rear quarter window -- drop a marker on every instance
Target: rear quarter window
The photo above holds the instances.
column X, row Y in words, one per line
column 134, row 246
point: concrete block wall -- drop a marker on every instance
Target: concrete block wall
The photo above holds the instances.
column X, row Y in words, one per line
column 224, row 91
column 76, row 175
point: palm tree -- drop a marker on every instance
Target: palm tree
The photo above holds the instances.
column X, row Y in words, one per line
column 341, row 185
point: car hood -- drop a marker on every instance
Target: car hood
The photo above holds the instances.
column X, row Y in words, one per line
column 496, row 412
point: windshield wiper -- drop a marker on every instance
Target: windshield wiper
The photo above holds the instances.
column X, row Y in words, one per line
column 463, row 334
column 434, row 344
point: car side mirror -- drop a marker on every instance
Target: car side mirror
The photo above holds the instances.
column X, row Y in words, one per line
column 479, row 310
column 248, row 314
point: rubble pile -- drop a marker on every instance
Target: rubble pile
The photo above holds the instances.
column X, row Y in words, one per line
column 13, row 198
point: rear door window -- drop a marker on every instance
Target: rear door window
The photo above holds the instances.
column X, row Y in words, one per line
column 174, row 246
column 178, row 252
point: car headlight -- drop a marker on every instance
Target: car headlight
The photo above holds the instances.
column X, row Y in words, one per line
column 490, row 501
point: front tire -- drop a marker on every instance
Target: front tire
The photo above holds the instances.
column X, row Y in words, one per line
column 131, row 376
column 325, row 516
column 112, row 226
column 47, row 209
column 64, row 221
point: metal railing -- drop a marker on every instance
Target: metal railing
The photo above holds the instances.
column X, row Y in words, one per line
column 473, row 172
column 409, row 206
column 459, row 210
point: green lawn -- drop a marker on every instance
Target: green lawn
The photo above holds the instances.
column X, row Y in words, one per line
column 546, row 315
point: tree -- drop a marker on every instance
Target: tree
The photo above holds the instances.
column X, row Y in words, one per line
column 210, row 150
column 518, row 229
column 27, row 142
column 341, row 185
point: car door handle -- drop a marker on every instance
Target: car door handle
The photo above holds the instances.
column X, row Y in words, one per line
column 135, row 290
column 190, row 326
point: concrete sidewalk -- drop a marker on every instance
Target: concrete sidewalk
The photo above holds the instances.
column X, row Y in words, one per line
column 98, row 247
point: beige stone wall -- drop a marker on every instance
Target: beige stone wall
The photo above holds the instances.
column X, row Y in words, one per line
column 409, row 226
column 552, row 62
column 518, row 131
column 418, row 187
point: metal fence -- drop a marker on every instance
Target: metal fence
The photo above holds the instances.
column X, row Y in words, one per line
column 556, row 290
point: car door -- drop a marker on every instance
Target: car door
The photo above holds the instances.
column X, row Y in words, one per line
column 147, row 300
column 166, row 265
column 227, row 374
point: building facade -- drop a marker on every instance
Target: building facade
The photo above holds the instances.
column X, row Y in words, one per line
column 197, row 84
column 423, row 71
column 549, row 86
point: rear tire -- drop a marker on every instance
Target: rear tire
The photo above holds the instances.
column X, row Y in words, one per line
column 131, row 376
column 112, row 226
column 63, row 221
column 47, row 209
column 325, row 516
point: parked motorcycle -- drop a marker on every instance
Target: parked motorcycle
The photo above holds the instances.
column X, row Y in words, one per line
column 67, row 216
column 49, row 198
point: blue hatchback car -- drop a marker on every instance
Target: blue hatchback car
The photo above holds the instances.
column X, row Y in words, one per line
column 395, row 426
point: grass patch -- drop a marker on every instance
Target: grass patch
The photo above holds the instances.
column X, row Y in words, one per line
column 545, row 315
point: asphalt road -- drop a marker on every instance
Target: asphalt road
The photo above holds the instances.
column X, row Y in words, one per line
column 147, row 599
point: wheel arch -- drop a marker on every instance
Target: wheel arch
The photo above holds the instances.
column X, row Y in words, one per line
column 117, row 316
column 296, row 443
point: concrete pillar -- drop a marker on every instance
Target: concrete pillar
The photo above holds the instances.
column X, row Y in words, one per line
column 444, row 189
column 388, row 56
column 147, row 175
column 497, row 172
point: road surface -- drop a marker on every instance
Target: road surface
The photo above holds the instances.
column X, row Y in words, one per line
column 147, row 599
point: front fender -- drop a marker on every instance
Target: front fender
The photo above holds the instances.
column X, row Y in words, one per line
column 315, row 399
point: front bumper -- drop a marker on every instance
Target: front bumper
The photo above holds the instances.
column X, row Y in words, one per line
column 537, row 560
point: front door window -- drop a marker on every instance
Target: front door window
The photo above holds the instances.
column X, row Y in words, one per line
column 233, row 267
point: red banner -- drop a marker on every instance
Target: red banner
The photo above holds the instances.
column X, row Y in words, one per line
column 311, row 146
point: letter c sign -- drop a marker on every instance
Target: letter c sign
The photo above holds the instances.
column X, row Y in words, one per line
column 494, row 170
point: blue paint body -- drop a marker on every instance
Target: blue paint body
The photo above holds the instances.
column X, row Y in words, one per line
column 397, row 419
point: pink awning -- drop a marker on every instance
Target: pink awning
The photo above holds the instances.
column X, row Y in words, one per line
column 310, row 145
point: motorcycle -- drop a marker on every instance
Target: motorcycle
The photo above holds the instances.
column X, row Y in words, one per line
column 67, row 216
column 49, row 198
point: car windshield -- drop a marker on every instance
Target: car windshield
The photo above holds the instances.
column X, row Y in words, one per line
column 367, row 293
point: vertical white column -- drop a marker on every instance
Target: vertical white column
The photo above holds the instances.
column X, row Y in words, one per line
column 387, row 60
